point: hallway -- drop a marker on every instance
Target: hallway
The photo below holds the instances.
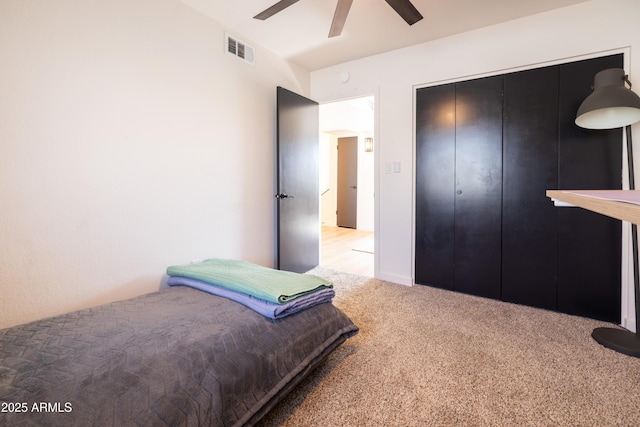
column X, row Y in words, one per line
column 348, row 250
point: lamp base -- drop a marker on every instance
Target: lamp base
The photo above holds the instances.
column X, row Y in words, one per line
column 620, row 340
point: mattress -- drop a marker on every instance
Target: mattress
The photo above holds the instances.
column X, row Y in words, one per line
column 177, row 357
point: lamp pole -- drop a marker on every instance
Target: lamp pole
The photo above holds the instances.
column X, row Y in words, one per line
column 611, row 106
column 623, row 340
column 634, row 233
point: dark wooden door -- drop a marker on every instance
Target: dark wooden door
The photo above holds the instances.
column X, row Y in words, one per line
column 478, row 194
column 557, row 258
column 298, row 210
column 529, row 220
column 435, row 186
column 459, row 186
column 589, row 248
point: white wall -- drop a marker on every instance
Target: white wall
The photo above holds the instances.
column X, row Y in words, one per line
column 328, row 179
column 129, row 141
column 366, row 190
column 587, row 29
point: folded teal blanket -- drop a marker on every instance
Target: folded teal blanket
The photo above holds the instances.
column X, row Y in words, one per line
column 265, row 283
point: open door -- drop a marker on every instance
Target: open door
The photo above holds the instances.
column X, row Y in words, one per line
column 297, row 194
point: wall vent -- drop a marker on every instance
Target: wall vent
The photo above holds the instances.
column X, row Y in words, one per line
column 240, row 49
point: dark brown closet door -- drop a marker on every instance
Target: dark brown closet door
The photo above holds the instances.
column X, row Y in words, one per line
column 589, row 245
column 435, row 168
column 478, row 187
column 529, row 220
column 483, row 223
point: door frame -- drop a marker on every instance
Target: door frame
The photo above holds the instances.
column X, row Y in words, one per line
column 375, row 95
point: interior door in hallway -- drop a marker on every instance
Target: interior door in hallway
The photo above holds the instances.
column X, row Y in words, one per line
column 347, row 182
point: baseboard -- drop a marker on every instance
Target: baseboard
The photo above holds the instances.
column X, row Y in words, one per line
column 389, row 277
column 629, row 324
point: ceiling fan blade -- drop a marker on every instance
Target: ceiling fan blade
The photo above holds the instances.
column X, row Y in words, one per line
column 267, row 13
column 340, row 17
column 406, row 10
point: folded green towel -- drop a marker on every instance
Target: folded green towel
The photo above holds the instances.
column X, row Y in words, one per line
column 261, row 282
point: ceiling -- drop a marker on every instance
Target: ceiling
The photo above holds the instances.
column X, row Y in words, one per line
column 300, row 32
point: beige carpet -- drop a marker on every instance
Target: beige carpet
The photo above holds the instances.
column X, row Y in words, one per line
column 429, row 357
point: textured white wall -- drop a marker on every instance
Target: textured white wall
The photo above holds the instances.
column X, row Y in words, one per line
column 129, row 141
column 592, row 28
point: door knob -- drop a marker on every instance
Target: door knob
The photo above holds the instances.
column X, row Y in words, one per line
column 283, row 196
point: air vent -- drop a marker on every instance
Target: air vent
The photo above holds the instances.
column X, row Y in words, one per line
column 240, row 49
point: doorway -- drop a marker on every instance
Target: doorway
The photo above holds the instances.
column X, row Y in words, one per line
column 347, row 246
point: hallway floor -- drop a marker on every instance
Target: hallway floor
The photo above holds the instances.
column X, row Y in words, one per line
column 348, row 250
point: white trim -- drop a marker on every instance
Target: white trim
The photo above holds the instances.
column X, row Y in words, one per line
column 394, row 278
column 626, row 51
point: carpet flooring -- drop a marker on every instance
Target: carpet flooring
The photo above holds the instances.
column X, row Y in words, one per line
column 430, row 357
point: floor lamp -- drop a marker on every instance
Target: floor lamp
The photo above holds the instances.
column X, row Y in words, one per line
column 611, row 106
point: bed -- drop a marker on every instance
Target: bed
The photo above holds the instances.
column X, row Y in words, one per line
column 175, row 357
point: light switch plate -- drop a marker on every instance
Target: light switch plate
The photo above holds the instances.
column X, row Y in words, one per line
column 388, row 167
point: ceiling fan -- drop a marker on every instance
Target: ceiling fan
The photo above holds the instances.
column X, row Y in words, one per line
column 404, row 8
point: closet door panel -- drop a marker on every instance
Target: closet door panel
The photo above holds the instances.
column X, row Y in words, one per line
column 589, row 245
column 435, row 154
column 529, row 220
column 478, row 191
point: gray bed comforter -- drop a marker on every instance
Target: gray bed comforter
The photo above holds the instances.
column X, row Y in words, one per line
column 175, row 357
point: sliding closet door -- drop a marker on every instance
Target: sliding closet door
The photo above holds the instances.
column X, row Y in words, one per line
column 589, row 248
column 529, row 220
column 435, row 179
column 478, row 194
